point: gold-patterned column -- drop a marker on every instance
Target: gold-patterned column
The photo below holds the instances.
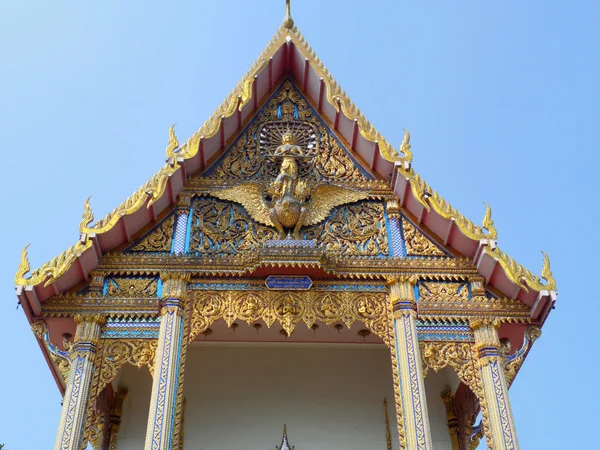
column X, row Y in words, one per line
column 72, row 418
column 410, row 367
column 163, row 402
column 115, row 416
column 502, row 434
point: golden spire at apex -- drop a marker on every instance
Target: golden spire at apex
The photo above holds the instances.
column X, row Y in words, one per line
column 288, row 22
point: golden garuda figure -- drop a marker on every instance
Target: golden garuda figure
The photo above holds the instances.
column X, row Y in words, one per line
column 288, row 203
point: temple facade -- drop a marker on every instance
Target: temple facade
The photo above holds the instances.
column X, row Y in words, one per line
column 286, row 279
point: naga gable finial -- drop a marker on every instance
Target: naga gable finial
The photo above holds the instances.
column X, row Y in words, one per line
column 405, row 147
column 24, row 266
column 288, row 22
column 87, row 217
column 173, row 142
column 547, row 273
column 488, row 223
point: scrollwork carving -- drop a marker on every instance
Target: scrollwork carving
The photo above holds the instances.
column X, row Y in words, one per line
column 221, row 228
column 117, row 352
column 125, row 287
column 244, row 160
column 353, row 230
column 159, row 239
column 290, row 308
column 417, row 244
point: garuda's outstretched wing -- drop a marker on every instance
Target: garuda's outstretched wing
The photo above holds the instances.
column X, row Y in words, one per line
column 325, row 197
column 250, row 196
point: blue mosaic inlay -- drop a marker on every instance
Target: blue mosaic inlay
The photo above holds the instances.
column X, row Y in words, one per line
column 180, row 234
column 396, row 238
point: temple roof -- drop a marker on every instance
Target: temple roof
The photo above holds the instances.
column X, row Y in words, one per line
column 287, row 55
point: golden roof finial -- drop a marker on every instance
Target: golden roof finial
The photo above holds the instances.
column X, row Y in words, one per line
column 288, row 22
column 87, row 217
column 547, row 273
column 173, row 142
column 24, row 266
column 405, row 147
column 488, row 223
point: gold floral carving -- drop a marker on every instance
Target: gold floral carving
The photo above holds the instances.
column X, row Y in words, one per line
column 443, row 292
column 62, row 363
column 117, row 352
column 132, row 287
column 462, row 358
column 159, row 239
column 417, row 244
column 222, row 228
column 245, row 161
column 458, row 355
column 512, row 366
column 290, row 308
column 353, row 230
column 111, row 355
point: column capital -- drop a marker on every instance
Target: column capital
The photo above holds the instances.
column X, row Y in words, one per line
column 174, row 284
column 485, row 322
column 487, row 342
column 173, row 292
column 402, row 293
column 87, row 333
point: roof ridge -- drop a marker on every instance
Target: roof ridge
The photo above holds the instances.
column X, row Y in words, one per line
column 154, row 188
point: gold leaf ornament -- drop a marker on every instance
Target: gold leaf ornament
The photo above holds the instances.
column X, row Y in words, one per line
column 173, row 144
column 87, row 217
column 24, row 266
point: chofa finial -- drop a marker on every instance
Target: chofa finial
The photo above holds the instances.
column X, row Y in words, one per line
column 547, row 273
column 288, row 22
column 488, row 223
column 24, row 266
column 173, row 142
column 87, row 217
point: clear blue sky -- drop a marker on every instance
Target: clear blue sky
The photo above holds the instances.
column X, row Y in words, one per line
column 501, row 99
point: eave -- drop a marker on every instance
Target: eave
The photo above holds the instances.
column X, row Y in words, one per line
column 287, row 54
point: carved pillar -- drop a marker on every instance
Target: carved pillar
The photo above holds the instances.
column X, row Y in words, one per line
column 502, row 434
column 451, row 418
column 410, row 367
column 115, row 416
column 165, row 386
column 72, row 418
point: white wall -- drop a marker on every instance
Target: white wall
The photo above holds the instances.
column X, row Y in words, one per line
column 132, row 434
column 434, row 385
column 240, row 395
